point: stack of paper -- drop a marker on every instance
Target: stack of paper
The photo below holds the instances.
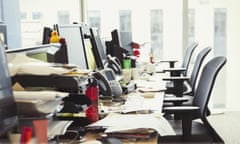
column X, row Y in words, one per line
column 32, row 103
column 134, row 124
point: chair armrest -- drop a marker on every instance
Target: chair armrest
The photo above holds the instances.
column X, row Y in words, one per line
column 175, row 71
column 181, row 109
column 175, row 99
column 187, row 113
column 175, row 78
column 171, row 62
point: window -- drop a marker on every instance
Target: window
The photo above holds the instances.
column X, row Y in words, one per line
column 35, row 14
column 125, row 18
column 144, row 20
column 63, row 17
column 220, row 40
column 191, row 26
column 157, row 34
column 1, row 11
column 220, row 18
column 23, row 15
column 94, row 19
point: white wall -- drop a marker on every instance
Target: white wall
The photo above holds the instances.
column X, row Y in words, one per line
column 226, row 88
column 233, row 55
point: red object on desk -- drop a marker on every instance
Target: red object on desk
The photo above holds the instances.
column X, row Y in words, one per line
column 26, row 135
column 92, row 94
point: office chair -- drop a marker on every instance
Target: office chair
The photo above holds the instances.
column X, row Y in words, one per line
column 186, row 129
column 185, row 64
column 184, row 85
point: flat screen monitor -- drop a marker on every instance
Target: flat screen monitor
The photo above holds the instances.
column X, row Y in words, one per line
column 55, row 53
column 74, row 40
column 115, row 38
column 46, row 35
column 114, row 47
column 8, row 107
column 88, row 47
column 98, row 50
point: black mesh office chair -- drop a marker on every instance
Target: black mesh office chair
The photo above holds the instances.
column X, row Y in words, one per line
column 185, row 64
column 197, row 131
column 186, row 85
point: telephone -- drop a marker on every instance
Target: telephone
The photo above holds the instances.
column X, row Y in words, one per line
column 108, row 85
column 114, row 64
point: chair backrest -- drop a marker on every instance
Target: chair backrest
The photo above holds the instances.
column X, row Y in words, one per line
column 196, row 67
column 8, row 107
column 188, row 55
column 206, row 83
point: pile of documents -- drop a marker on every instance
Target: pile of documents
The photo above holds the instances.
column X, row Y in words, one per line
column 34, row 103
column 134, row 125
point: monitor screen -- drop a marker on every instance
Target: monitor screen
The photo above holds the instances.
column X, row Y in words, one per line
column 54, row 53
column 99, row 43
column 8, row 107
column 98, row 50
column 75, row 43
column 116, row 38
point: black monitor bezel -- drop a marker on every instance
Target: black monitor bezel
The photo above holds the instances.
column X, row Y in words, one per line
column 96, row 53
column 57, row 56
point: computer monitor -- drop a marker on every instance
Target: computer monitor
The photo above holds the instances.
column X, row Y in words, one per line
column 55, row 53
column 116, row 38
column 47, row 31
column 8, row 107
column 98, row 50
column 114, row 47
column 88, row 47
column 75, row 43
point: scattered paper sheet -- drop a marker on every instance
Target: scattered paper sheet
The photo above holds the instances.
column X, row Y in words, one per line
column 21, row 64
column 40, row 95
column 128, row 122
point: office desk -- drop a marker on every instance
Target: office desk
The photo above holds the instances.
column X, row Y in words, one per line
column 138, row 103
column 93, row 136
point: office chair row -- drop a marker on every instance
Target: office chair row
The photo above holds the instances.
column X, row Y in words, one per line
column 190, row 102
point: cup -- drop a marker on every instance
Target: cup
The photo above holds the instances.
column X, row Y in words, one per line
column 151, row 68
column 15, row 138
column 135, row 74
column 127, row 75
column 41, row 130
column 127, row 63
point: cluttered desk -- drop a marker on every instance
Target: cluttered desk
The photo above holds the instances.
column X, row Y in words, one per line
column 112, row 103
column 138, row 120
column 139, row 117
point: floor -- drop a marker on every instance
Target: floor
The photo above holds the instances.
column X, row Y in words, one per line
column 227, row 124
